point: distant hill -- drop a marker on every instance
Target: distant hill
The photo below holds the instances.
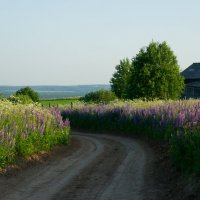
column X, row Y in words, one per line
column 53, row 92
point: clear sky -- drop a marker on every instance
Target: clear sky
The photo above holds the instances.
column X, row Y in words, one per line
column 70, row 42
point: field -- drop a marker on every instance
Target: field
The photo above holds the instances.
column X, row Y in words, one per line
column 59, row 102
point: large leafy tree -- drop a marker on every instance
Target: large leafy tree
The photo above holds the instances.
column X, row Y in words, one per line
column 27, row 91
column 119, row 81
column 155, row 74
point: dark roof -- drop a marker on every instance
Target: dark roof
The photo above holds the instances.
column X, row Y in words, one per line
column 192, row 72
column 194, row 84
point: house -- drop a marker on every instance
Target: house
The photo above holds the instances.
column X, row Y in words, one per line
column 192, row 81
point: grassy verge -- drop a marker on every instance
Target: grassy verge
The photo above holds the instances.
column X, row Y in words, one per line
column 29, row 129
column 176, row 122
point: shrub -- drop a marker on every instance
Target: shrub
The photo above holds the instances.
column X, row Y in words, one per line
column 21, row 99
column 29, row 92
column 100, row 96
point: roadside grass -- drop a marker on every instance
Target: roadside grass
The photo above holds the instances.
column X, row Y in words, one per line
column 175, row 122
column 29, row 129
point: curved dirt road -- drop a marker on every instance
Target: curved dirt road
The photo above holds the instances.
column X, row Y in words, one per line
column 101, row 167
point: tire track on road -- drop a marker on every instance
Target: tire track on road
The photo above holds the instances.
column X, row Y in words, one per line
column 103, row 167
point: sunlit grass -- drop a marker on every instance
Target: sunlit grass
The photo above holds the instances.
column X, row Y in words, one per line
column 176, row 122
column 29, row 129
column 59, row 102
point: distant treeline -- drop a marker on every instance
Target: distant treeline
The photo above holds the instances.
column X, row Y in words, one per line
column 55, row 92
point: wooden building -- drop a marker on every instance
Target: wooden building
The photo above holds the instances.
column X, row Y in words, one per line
column 192, row 81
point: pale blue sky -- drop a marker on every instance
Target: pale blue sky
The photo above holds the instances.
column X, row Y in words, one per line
column 69, row 42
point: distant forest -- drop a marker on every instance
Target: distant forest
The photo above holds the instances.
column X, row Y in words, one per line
column 55, row 92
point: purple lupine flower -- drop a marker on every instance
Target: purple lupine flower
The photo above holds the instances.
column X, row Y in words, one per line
column 181, row 118
column 67, row 123
column 2, row 133
column 7, row 137
column 7, row 128
column 14, row 128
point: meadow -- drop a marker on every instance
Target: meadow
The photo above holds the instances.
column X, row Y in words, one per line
column 175, row 122
column 29, row 129
column 59, row 102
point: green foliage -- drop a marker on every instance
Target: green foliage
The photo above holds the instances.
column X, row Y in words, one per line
column 14, row 99
column 119, row 81
column 100, row 96
column 1, row 96
column 153, row 74
column 30, row 92
column 156, row 73
column 23, row 99
column 175, row 122
column 29, row 129
column 185, row 150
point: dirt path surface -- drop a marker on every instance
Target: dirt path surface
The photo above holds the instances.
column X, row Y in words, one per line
column 102, row 167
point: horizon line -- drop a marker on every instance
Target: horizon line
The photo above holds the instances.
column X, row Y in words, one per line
column 53, row 85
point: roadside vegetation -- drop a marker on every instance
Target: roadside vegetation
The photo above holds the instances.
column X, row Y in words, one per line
column 175, row 122
column 29, row 129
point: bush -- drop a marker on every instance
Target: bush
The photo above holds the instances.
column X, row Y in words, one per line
column 22, row 99
column 29, row 92
column 100, row 96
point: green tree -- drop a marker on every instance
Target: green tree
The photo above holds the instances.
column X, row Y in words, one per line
column 119, row 81
column 100, row 96
column 29, row 92
column 1, row 96
column 155, row 74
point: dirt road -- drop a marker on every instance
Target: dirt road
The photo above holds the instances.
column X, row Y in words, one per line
column 100, row 167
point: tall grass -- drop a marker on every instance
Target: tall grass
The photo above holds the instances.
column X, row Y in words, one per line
column 29, row 129
column 176, row 122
